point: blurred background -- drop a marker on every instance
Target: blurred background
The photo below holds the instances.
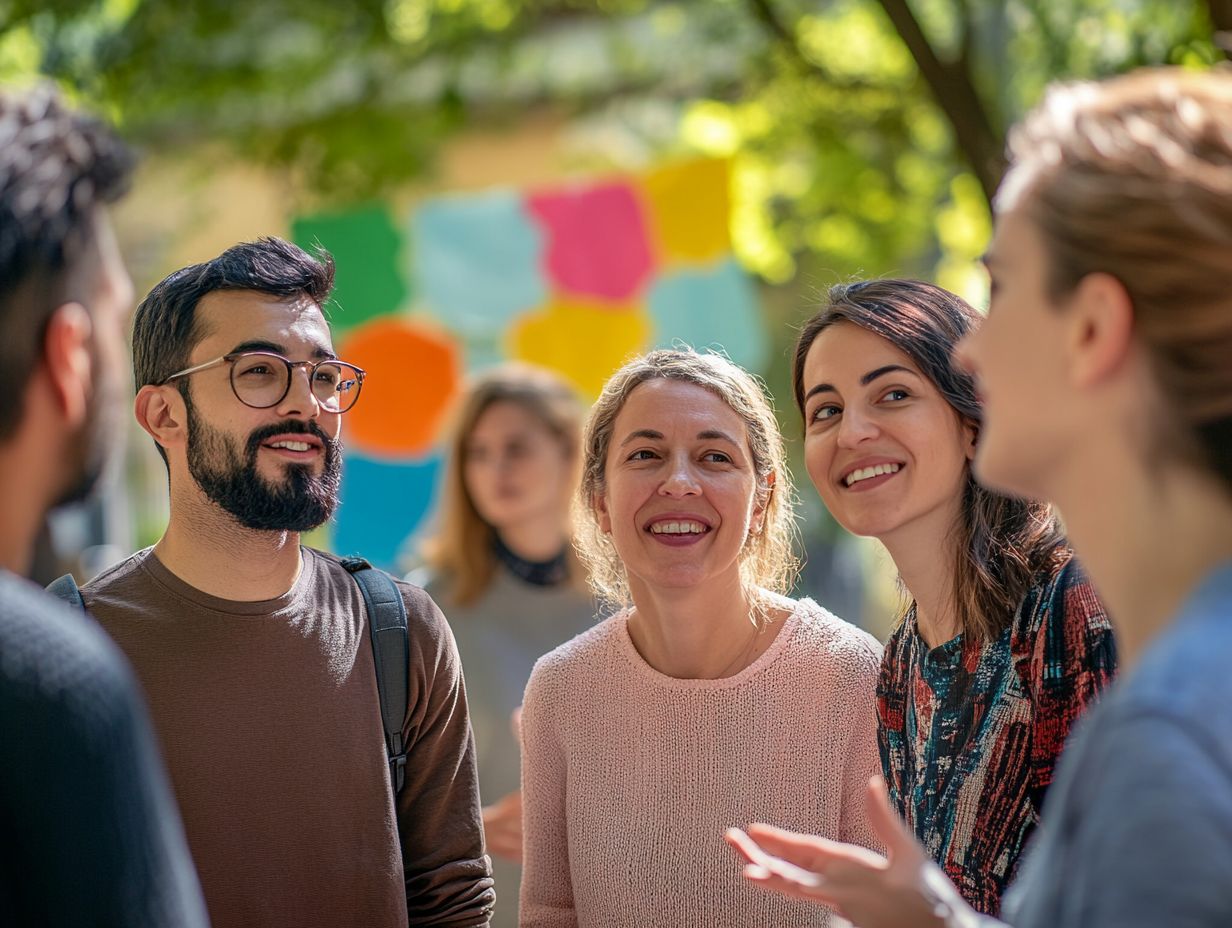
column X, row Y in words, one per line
column 564, row 183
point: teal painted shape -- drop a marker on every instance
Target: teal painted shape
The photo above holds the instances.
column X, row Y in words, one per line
column 383, row 504
column 477, row 261
column 715, row 307
column 366, row 245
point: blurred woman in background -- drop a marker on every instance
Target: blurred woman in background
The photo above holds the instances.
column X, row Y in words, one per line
column 503, row 570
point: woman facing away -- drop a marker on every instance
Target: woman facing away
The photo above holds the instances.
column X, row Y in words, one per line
column 710, row 697
column 1106, row 368
column 1004, row 643
column 503, row 569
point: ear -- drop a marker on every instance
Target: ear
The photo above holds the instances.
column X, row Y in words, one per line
column 765, row 493
column 1101, row 334
column 598, row 505
column 160, row 410
column 971, row 436
column 68, row 361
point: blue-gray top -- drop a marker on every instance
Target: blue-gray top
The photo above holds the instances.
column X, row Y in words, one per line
column 1137, row 830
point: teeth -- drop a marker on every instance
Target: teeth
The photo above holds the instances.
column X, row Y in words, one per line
column 291, row 445
column 678, row 528
column 864, row 473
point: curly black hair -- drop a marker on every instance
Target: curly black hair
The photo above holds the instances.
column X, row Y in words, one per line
column 57, row 166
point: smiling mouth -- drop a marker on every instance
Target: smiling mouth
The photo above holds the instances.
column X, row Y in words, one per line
column 868, row 473
column 682, row 527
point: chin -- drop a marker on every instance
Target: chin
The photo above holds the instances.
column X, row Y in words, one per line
column 1002, row 473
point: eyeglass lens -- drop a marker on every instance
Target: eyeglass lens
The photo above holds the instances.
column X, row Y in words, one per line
column 262, row 380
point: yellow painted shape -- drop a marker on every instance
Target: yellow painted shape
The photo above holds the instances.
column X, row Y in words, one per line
column 689, row 205
column 585, row 342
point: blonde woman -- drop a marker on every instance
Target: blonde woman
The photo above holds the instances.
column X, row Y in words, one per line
column 503, row 569
column 710, row 696
column 1106, row 369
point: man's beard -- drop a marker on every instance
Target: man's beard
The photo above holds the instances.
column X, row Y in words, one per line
column 301, row 501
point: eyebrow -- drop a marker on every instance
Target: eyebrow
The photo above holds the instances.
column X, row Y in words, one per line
column 864, row 381
column 320, row 353
column 704, row 435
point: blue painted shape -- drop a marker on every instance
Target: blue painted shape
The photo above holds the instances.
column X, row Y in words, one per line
column 476, row 261
column 713, row 307
column 383, row 504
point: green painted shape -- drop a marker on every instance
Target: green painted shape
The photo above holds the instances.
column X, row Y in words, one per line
column 366, row 245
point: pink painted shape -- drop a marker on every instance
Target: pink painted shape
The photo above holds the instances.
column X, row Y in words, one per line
column 596, row 241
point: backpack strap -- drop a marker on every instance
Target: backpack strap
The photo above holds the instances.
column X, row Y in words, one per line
column 66, row 588
column 391, row 651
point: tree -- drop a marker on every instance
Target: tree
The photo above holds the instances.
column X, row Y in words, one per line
column 869, row 133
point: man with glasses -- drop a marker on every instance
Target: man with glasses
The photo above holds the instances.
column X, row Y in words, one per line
column 254, row 650
column 89, row 834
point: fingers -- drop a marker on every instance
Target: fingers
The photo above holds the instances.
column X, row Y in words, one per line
column 502, row 827
column 787, row 887
column 504, row 843
column 760, row 861
column 887, row 824
column 809, row 851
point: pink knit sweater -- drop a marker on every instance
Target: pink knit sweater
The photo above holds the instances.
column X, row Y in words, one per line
column 631, row 777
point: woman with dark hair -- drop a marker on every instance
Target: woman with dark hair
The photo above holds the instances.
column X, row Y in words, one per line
column 1106, row 363
column 502, row 567
column 1003, row 643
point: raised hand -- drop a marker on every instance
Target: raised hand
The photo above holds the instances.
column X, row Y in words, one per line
column 904, row 890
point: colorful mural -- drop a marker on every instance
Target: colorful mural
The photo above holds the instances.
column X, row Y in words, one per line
column 576, row 278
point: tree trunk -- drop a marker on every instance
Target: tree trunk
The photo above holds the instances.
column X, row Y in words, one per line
column 952, row 87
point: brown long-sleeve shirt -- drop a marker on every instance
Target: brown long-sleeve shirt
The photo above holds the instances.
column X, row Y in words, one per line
column 270, row 724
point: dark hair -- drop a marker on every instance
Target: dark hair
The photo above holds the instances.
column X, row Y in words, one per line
column 165, row 326
column 1001, row 542
column 56, row 168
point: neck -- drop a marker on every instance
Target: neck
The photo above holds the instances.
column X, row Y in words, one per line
column 1147, row 537
column 536, row 539
column 207, row 549
column 923, row 553
column 700, row 633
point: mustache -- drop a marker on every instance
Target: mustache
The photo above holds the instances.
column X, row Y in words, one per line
column 266, row 432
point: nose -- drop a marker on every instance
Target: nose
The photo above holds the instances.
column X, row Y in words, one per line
column 680, row 479
column 300, row 402
column 856, row 427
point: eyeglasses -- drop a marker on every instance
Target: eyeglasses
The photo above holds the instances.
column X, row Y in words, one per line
column 262, row 379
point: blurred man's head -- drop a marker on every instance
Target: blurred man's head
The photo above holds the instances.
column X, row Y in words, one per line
column 240, row 388
column 64, row 294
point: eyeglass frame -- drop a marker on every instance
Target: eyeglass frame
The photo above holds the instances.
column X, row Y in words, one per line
column 232, row 357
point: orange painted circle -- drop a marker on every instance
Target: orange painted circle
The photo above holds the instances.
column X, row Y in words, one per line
column 413, row 374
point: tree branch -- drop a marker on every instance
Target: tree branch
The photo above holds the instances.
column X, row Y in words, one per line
column 954, row 90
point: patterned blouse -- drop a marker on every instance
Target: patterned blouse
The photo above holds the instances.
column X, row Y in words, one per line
column 969, row 734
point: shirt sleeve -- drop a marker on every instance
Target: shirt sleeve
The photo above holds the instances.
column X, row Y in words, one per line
column 547, row 887
column 448, row 876
column 1070, row 661
column 1153, row 842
